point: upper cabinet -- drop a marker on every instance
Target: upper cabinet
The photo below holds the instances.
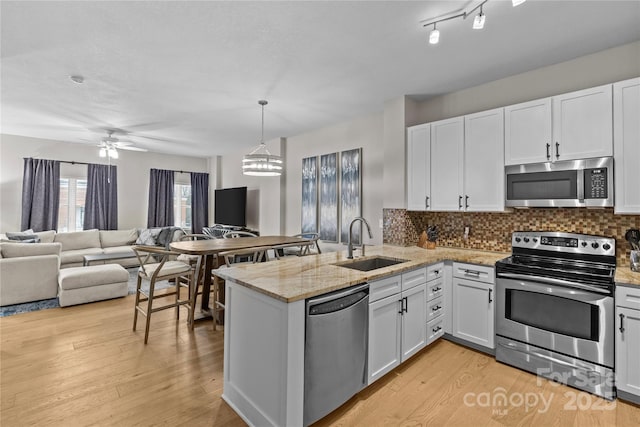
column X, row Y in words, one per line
column 626, row 137
column 483, row 164
column 575, row 125
column 527, row 132
column 447, row 145
column 583, row 124
column 418, row 167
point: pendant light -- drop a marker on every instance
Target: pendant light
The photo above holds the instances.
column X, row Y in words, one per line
column 260, row 162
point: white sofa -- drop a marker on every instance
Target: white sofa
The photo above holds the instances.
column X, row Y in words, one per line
column 75, row 245
column 28, row 272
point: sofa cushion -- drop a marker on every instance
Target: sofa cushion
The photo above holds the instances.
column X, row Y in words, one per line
column 110, row 238
column 46, row 236
column 27, row 236
column 120, row 249
column 16, row 250
column 78, row 240
column 77, row 256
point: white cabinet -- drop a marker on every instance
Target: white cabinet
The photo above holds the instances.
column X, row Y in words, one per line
column 397, row 321
column 418, row 167
column 628, row 343
column 484, row 161
column 571, row 126
column 447, row 145
column 436, row 305
column 583, row 124
column 527, row 132
column 473, row 304
column 626, row 140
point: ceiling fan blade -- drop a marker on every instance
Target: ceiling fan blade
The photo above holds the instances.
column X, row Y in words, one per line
column 131, row 148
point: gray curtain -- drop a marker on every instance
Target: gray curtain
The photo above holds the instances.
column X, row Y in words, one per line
column 199, row 201
column 101, row 203
column 40, row 194
column 160, row 198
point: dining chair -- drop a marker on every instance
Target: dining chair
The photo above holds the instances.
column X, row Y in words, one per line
column 299, row 249
column 194, row 288
column 154, row 267
column 234, row 234
column 231, row 258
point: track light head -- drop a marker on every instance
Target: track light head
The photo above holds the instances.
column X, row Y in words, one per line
column 478, row 21
column 434, row 35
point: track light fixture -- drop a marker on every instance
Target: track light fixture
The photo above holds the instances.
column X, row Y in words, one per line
column 434, row 35
column 478, row 21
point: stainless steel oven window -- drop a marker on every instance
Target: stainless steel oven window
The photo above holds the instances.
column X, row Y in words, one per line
column 554, row 314
column 543, row 185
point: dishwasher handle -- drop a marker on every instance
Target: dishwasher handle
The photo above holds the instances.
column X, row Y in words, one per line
column 338, row 301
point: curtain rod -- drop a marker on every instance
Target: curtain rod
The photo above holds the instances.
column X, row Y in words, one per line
column 71, row 162
column 171, row 170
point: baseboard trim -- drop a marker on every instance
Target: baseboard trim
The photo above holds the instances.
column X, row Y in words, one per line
column 486, row 350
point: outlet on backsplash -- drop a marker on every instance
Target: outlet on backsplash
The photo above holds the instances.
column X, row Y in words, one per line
column 465, row 236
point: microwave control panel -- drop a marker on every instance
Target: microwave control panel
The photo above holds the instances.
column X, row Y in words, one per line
column 595, row 183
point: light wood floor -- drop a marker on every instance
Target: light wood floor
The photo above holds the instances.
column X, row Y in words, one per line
column 83, row 365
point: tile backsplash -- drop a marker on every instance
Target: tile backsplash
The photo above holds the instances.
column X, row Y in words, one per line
column 492, row 231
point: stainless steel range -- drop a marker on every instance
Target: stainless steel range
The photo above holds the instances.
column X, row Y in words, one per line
column 555, row 308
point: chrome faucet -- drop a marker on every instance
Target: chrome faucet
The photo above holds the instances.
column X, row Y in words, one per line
column 350, row 244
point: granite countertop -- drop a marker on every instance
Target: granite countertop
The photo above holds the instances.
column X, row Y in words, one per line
column 624, row 275
column 296, row 278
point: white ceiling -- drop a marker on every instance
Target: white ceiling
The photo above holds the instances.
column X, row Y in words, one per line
column 184, row 77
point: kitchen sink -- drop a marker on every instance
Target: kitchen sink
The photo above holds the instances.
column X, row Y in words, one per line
column 368, row 264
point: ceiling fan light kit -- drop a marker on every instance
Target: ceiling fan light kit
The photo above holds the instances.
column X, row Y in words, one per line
column 260, row 162
column 478, row 21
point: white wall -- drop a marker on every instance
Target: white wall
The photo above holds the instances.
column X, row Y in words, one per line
column 133, row 175
column 264, row 194
column 365, row 132
column 607, row 66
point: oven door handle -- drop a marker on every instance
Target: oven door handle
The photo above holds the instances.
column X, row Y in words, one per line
column 552, row 281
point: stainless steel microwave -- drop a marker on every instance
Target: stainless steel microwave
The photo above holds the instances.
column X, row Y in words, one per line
column 571, row 183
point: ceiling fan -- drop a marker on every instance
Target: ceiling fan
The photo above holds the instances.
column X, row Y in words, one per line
column 110, row 144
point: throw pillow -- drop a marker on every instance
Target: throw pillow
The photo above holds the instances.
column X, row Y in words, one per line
column 20, row 235
column 148, row 236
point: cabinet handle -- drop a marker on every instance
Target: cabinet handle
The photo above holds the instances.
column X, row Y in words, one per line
column 557, row 150
column 466, row 202
column 436, row 308
column 436, row 329
column 459, row 202
column 426, row 201
column 473, row 272
column 548, row 154
column 401, row 301
column 436, row 289
column 436, row 272
column 621, row 323
column 406, row 304
column 490, row 292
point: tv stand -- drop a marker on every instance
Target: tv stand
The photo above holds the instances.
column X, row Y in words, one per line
column 219, row 230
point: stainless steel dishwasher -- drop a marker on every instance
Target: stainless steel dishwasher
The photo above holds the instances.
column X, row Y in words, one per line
column 335, row 353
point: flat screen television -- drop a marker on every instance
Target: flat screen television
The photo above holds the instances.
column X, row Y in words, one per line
column 231, row 206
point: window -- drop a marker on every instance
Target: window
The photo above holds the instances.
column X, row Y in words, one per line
column 71, row 210
column 182, row 205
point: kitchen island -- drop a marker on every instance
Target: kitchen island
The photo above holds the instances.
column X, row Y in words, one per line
column 265, row 322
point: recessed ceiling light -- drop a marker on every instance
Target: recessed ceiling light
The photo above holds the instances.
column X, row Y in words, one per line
column 77, row 79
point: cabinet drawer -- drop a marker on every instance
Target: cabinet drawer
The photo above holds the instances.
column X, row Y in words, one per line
column 628, row 297
column 413, row 278
column 435, row 308
column 435, row 289
column 383, row 288
column 435, row 271
column 435, row 329
column 480, row 273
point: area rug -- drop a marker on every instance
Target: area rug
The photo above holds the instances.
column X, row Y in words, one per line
column 10, row 310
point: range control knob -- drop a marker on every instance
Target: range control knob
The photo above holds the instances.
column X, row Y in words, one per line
column 584, row 244
column 595, row 245
column 518, row 239
column 535, row 240
column 606, row 246
column 526, row 240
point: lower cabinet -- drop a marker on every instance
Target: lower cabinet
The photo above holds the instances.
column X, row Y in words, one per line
column 473, row 305
column 397, row 323
column 628, row 343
